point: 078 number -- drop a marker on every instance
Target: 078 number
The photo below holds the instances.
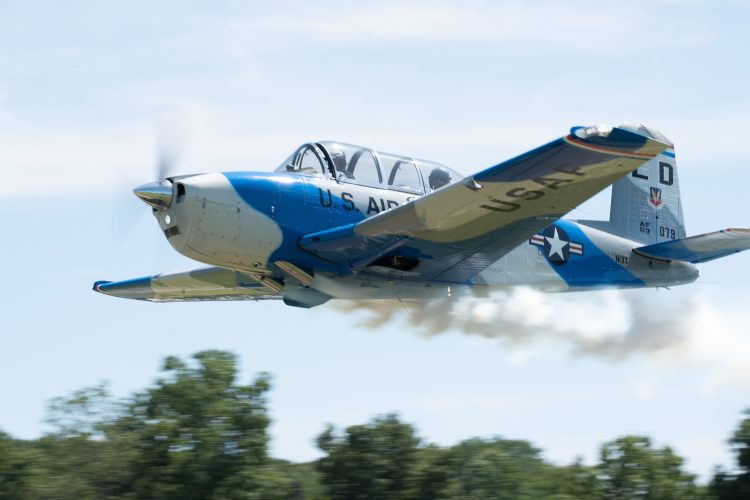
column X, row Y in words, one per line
column 667, row 232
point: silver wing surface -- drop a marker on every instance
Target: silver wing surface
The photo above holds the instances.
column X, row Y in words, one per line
column 210, row 283
column 455, row 232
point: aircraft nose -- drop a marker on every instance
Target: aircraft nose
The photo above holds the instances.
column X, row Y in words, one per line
column 157, row 194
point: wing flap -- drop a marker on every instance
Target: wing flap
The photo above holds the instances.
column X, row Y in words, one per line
column 211, row 283
column 455, row 232
column 700, row 248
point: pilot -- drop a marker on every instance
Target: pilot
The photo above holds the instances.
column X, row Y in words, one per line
column 439, row 177
column 338, row 158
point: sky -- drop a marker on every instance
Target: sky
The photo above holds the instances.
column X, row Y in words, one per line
column 467, row 84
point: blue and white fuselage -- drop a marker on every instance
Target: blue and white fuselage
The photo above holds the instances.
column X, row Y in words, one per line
column 247, row 221
column 344, row 222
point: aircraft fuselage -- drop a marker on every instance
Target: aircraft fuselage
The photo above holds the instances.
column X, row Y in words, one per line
column 248, row 221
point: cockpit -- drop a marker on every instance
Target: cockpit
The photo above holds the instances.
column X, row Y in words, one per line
column 363, row 166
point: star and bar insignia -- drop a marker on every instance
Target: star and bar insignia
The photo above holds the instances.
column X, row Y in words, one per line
column 556, row 244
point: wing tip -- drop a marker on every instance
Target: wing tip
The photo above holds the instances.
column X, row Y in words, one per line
column 98, row 284
column 620, row 140
column 738, row 231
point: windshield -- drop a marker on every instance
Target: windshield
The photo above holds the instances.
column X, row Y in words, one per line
column 307, row 159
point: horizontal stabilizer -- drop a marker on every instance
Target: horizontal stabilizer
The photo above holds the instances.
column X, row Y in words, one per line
column 701, row 248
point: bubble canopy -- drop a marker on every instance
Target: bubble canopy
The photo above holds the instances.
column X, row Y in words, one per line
column 363, row 166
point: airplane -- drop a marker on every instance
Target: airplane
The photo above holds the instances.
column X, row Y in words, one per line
column 338, row 221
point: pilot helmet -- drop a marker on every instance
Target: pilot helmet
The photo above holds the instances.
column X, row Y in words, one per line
column 338, row 157
column 439, row 177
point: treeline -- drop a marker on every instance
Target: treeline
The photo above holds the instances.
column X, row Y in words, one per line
column 199, row 434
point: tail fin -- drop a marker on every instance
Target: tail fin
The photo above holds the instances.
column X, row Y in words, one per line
column 646, row 205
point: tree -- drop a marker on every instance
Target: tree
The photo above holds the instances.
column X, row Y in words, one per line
column 81, row 457
column 728, row 486
column 433, row 470
column 86, row 413
column 371, row 461
column 630, row 468
column 483, row 469
column 573, row 482
column 14, row 470
column 198, row 434
column 195, row 434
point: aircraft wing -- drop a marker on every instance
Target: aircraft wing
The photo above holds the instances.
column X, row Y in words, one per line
column 455, row 232
column 700, row 248
column 210, row 283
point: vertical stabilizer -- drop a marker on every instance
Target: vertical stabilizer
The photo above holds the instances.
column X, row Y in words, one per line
column 646, row 205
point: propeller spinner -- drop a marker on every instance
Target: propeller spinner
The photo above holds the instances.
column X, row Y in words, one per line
column 157, row 194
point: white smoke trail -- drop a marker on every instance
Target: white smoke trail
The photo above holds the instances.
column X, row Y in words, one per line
column 670, row 326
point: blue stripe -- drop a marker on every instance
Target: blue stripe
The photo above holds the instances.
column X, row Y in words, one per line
column 594, row 267
column 298, row 212
column 668, row 153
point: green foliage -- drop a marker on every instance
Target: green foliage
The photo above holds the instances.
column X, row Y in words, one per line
column 84, row 414
column 82, row 457
column 381, row 460
column 727, row 486
column 369, row 461
column 497, row 469
column 630, row 468
column 357, row 466
column 197, row 433
column 14, row 469
column 740, row 442
column 305, row 479
column 432, row 472
column 573, row 482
